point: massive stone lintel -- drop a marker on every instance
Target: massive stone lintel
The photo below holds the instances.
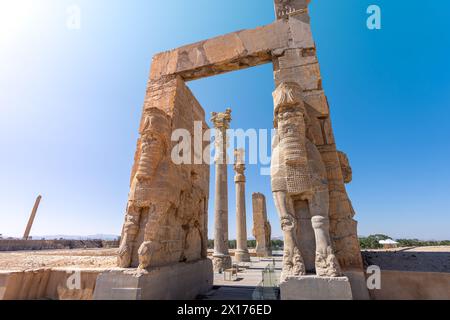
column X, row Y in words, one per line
column 233, row 51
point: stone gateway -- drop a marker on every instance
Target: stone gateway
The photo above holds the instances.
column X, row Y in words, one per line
column 166, row 218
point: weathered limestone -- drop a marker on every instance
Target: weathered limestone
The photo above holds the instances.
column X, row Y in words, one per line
column 241, row 253
column 26, row 235
column 47, row 283
column 299, row 175
column 166, row 219
column 183, row 281
column 316, row 288
column 261, row 226
column 233, row 51
column 298, row 64
column 221, row 256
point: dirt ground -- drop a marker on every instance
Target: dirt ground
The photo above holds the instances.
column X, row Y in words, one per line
column 428, row 259
column 414, row 249
column 79, row 258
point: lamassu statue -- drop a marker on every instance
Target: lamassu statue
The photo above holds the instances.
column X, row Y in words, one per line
column 298, row 174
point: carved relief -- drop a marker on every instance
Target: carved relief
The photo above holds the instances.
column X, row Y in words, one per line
column 345, row 167
column 298, row 174
column 166, row 218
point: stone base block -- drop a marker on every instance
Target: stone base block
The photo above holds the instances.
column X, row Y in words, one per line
column 315, row 288
column 242, row 256
column 264, row 253
column 358, row 283
column 181, row 281
column 221, row 262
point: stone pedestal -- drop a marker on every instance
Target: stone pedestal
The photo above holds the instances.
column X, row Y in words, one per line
column 242, row 256
column 221, row 262
column 315, row 288
column 182, row 281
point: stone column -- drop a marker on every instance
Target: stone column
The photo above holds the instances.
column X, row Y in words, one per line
column 221, row 256
column 241, row 254
column 26, row 235
column 261, row 226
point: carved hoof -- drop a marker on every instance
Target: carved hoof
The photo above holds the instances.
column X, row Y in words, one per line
column 293, row 264
column 144, row 253
column 298, row 264
column 124, row 256
column 327, row 265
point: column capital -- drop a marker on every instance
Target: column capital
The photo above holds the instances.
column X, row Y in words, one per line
column 239, row 165
column 221, row 120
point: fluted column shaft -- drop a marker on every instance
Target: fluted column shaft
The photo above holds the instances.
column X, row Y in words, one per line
column 221, row 256
column 241, row 254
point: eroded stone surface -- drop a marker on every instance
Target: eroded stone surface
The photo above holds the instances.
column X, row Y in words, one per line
column 166, row 220
column 299, row 65
column 233, row 51
column 299, row 176
column 181, row 281
column 46, row 274
column 261, row 226
column 316, row 288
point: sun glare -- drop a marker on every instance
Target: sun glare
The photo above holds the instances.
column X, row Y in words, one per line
column 15, row 17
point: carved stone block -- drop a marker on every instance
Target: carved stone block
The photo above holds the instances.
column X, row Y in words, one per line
column 316, row 288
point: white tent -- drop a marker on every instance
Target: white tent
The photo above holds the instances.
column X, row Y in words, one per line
column 387, row 241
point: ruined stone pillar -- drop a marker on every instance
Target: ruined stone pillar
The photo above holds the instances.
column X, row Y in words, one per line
column 26, row 235
column 241, row 254
column 261, row 226
column 221, row 256
column 299, row 65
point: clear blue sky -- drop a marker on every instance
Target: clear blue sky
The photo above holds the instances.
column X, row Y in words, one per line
column 70, row 104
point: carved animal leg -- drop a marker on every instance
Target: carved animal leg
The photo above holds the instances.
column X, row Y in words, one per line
column 326, row 262
column 131, row 228
column 144, row 253
column 292, row 260
column 148, row 251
